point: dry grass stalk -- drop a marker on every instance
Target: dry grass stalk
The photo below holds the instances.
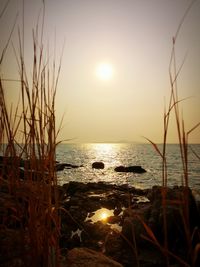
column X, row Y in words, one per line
column 183, row 144
column 35, row 183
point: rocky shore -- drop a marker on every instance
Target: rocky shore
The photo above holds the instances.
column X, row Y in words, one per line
column 132, row 231
column 109, row 225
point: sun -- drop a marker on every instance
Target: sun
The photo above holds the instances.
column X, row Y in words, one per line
column 104, row 71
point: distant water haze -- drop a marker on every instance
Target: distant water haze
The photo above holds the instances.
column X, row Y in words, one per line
column 114, row 81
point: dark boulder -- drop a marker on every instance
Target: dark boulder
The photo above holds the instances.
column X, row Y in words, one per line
column 114, row 246
column 86, row 257
column 98, row 165
column 135, row 169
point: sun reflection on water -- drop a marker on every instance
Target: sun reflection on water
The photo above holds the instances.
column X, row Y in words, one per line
column 104, row 148
column 104, row 215
column 108, row 153
column 101, row 215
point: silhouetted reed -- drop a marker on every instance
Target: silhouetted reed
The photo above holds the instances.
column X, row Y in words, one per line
column 28, row 144
column 183, row 204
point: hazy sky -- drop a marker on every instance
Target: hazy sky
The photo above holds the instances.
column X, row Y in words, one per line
column 135, row 38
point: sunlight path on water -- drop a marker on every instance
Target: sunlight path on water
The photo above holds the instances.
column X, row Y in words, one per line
column 116, row 154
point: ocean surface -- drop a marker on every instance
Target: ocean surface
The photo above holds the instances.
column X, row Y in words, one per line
column 113, row 155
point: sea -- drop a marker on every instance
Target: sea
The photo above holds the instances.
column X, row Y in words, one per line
column 126, row 154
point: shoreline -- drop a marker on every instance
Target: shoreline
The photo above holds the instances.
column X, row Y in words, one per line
column 131, row 208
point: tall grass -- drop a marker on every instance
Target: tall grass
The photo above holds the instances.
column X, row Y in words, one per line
column 28, row 144
column 183, row 135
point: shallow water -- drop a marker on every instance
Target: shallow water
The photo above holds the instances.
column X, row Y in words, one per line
column 102, row 215
column 126, row 154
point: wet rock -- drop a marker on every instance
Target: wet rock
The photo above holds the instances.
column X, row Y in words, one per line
column 74, row 187
column 92, row 206
column 134, row 169
column 113, row 246
column 114, row 219
column 117, row 210
column 75, row 200
column 181, row 216
column 109, row 202
column 86, row 198
column 85, row 257
column 133, row 229
column 90, row 214
column 62, row 166
column 152, row 257
column 97, row 231
column 98, row 165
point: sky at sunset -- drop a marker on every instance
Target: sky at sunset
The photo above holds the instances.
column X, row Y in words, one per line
column 114, row 79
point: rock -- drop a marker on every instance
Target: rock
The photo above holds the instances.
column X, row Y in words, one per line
column 120, row 169
column 65, row 238
column 73, row 187
column 117, row 210
column 132, row 229
column 135, row 169
column 113, row 246
column 62, row 166
column 114, row 219
column 85, row 257
column 152, row 257
column 109, row 202
column 98, row 165
column 12, row 210
column 79, row 199
column 177, row 226
column 11, row 247
column 97, row 231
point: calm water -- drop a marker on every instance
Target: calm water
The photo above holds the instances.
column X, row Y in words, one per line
column 126, row 154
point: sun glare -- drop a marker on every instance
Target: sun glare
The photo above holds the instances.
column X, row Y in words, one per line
column 104, row 215
column 101, row 215
column 104, row 71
